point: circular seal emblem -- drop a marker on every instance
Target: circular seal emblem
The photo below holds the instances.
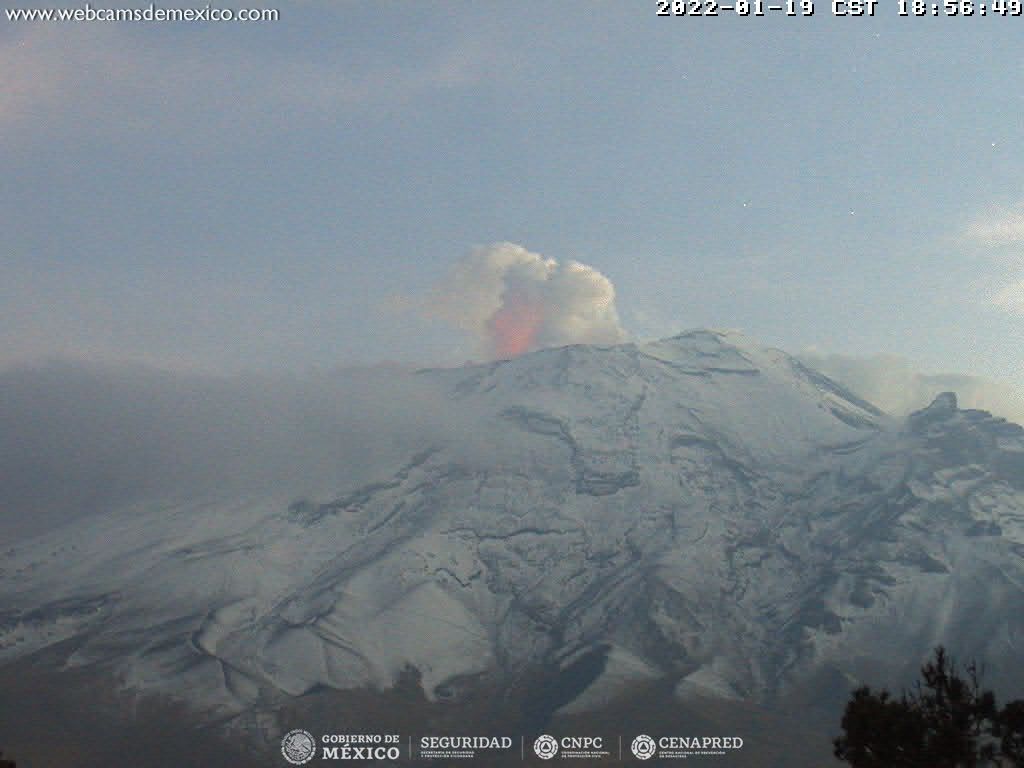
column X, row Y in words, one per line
column 546, row 747
column 643, row 747
column 298, row 746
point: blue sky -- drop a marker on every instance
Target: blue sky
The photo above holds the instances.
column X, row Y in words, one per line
column 287, row 195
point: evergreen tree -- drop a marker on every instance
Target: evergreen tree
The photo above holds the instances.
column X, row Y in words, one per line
column 946, row 721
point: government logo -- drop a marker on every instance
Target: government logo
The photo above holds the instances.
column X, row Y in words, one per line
column 298, row 746
column 643, row 747
column 546, row 747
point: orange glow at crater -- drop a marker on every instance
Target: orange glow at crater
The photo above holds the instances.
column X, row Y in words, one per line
column 514, row 328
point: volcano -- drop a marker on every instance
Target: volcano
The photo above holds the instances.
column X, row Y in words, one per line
column 699, row 518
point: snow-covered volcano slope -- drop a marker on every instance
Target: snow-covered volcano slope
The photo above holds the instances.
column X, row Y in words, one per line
column 697, row 508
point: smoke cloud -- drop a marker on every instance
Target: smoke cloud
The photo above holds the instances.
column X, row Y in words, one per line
column 894, row 385
column 515, row 301
column 80, row 439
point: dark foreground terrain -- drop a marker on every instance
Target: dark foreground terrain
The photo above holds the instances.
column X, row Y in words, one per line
column 52, row 718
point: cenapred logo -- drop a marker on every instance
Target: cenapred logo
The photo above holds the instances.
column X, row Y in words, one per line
column 545, row 747
column 643, row 747
column 298, row 746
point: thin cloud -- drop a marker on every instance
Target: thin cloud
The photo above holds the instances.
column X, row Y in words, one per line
column 895, row 385
column 98, row 79
column 1010, row 297
column 34, row 77
column 998, row 226
column 1000, row 230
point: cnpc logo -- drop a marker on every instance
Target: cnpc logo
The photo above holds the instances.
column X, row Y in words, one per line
column 546, row 747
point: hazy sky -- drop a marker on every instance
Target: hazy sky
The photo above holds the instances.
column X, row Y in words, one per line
column 283, row 195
